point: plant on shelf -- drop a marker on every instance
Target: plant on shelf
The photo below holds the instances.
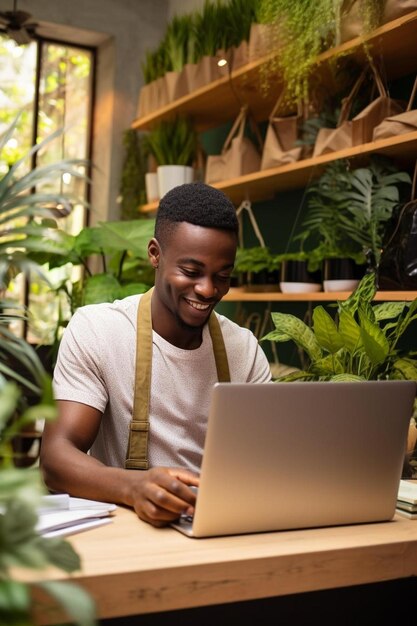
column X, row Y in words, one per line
column 28, row 223
column 174, row 145
column 173, row 142
column 301, row 31
column 363, row 343
column 118, row 253
column 256, row 265
column 348, row 210
column 132, row 181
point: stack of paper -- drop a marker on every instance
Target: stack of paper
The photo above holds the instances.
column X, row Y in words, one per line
column 407, row 499
column 62, row 514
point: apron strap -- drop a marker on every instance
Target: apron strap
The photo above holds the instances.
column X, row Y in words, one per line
column 137, row 451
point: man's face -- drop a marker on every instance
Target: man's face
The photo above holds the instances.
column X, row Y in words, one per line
column 193, row 275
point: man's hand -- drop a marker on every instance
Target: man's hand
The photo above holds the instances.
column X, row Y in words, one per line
column 160, row 495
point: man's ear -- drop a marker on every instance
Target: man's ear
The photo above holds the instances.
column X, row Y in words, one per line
column 154, row 252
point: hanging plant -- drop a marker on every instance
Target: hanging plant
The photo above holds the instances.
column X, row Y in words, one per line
column 132, row 183
column 301, row 31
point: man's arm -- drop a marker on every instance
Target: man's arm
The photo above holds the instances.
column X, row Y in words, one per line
column 158, row 495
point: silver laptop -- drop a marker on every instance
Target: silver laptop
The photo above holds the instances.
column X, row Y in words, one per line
column 299, row 455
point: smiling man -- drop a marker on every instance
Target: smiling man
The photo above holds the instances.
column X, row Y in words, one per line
column 133, row 378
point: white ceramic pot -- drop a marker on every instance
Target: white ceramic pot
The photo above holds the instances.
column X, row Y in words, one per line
column 170, row 176
column 152, row 188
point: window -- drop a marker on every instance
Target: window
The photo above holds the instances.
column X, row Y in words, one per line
column 51, row 85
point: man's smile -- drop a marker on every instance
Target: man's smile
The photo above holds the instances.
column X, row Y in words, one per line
column 197, row 305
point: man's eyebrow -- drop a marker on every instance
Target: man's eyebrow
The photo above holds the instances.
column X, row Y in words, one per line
column 192, row 261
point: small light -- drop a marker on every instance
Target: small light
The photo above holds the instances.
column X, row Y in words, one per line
column 66, row 178
column 12, row 143
column 222, row 62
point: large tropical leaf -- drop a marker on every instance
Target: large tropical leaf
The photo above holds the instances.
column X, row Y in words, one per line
column 290, row 327
column 326, row 331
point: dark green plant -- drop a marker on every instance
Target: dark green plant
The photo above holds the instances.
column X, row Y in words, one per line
column 255, row 260
column 302, row 30
column 210, row 28
column 173, row 142
column 132, row 182
column 176, row 41
column 28, row 226
column 363, row 343
column 347, row 210
column 28, row 219
column 21, row 544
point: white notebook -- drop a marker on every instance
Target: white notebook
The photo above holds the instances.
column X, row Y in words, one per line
column 62, row 514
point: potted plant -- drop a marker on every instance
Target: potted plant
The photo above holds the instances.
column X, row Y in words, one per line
column 300, row 31
column 101, row 264
column 300, row 272
column 173, row 143
column 258, row 267
column 365, row 342
column 347, row 212
column 27, row 220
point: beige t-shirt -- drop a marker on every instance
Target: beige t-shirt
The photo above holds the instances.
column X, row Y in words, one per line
column 96, row 366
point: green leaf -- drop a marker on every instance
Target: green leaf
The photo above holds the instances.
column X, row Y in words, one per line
column 388, row 310
column 77, row 603
column 364, row 292
column 101, row 288
column 340, row 378
column 297, row 331
column 374, row 341
column 350, row 331
column 326, row 331
column 61, row 554
column 406, row 367
column 329, row 365
column 14, row 597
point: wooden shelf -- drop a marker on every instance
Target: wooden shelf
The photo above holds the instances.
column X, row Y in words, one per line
column 240, row 294
column 392, row 42
column 265, row 184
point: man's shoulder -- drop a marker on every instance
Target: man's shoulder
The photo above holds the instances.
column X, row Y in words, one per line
column 231, row 329
column 126, row 306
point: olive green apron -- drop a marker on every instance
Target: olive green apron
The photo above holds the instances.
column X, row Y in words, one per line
column 137, row 452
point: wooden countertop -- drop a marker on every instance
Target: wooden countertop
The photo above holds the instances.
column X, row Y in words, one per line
column 130, row 567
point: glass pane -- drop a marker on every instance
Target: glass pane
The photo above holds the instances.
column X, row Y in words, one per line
column 17, row 87
column 64, row 103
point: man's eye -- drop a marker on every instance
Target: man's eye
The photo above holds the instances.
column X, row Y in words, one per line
column 224, row 277
column 189, row 272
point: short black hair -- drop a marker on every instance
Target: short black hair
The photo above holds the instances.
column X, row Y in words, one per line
column 195, row 203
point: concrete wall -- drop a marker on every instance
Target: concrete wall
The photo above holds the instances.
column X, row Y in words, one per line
column 122, row 30
column 184, row 6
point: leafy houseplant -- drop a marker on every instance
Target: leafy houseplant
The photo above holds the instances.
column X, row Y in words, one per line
column 132, row 183
column 118, row 251
column 173, row 143
column 257, row 265
column 348, row 211
column 302, row 30
column 364, row 343
column 27, row 220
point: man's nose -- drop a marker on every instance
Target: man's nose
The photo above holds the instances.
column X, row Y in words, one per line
column 205, row 287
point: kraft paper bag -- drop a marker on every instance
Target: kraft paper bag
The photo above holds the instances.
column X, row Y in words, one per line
column 383, row 106
column 148, row 99
column 280, row 140
column 399, row 124
column 239, row 155
column 263, row 39
column 202, row 73
column 333, row 139
column 352, row 22
column 240, row 55
column 397, row 8
column 176, row 85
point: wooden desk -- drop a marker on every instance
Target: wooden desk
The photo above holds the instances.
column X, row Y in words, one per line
column 131, row 568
